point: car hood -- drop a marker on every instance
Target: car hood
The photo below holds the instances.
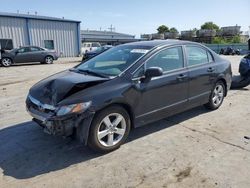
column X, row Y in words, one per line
column 58, row 87
column 92, row 53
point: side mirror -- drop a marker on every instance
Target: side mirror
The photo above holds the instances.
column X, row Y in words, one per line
column 153, row 72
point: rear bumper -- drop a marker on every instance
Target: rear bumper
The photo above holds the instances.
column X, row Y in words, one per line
column 56, row 57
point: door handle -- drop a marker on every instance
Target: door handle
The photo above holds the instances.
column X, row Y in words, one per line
column 210, row 69
column 181, row 77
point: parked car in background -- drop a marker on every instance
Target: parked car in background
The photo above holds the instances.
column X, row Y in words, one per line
column 89, row 46
column 229, row 51
column 242, row 80
column 28, row 54
column 93, row 53
column 244, row 68
column 126, row 87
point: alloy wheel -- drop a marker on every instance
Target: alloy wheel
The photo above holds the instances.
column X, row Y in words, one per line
column 6, row 62
column 218, row 95
column 111, row 130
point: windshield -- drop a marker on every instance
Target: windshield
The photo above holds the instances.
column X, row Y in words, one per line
column 115, row 60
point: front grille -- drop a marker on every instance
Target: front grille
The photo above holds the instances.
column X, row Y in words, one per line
column 38, row 107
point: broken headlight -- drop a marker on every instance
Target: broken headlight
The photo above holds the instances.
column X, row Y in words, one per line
column 73, row 108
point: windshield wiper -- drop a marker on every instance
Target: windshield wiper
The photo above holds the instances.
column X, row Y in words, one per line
column 91, row 72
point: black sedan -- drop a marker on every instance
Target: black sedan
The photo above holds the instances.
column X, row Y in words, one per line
column 126, row 87
column 90, row 54
column 28, row 54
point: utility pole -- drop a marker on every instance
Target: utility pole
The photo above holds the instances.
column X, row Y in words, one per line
column 111, row 29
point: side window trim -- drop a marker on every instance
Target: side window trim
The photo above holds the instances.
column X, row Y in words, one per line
column 164, row 72
column 211, row 55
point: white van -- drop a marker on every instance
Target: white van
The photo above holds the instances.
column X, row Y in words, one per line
column 89, row 46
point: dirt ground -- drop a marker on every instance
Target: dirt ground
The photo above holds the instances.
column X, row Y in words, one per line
column 198, row 148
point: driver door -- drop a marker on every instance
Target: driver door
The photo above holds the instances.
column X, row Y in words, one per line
column 164, row 95
column 23, row 55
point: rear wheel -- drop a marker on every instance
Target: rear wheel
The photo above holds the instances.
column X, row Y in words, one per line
column 217, row 96
column 49, row 60
column 109, row 129
column 6, row 62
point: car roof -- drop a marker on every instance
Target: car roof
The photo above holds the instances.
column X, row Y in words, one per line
column 154, row 43
column 29, row 47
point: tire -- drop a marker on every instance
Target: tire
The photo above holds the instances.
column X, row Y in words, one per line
column 48, row 60
column 6, row 62
column 107, row 135
column 217, row 96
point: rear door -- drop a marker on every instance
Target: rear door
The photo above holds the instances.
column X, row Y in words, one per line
column 166, row 94
column 202, row 73
column 37, row 54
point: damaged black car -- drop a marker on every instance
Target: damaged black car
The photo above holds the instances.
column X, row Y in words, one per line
column 128, row 86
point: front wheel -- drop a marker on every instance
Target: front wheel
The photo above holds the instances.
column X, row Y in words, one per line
column 217, row 96
column 109, row 129
column 6, row 62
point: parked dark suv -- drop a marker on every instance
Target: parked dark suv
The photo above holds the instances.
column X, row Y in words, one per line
column 128, row 86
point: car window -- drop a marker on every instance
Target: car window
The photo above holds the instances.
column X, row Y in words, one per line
column 168, row 59
column 140, row 72
column 95, row 45
column 34, row 49
column 196, row 55
column 88, row 45
column 23, row 50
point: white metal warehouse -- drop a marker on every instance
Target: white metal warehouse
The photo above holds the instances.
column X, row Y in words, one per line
column 60, row 34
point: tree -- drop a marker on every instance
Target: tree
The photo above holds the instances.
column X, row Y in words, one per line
column 218, row 40
column 162, row 29
column 236, row 39
column 173, row 30
column 221, row 40
column 210, row 25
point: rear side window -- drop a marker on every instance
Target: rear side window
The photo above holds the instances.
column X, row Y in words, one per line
column 196, row 55
column 168, row 59
column 34, row 49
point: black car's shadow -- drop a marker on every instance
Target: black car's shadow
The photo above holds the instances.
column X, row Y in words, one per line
column 25, row 151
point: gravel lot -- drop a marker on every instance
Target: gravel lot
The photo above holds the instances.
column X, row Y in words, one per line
column 198, row 148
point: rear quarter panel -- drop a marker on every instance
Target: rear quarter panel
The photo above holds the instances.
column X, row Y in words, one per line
column 224, row 71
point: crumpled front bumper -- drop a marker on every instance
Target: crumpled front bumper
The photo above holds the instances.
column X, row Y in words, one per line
column 63, row 125
column 60, row 125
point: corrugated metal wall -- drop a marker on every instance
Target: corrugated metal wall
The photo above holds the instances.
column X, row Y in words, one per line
column 24, row 31
column 15, row 29
column 64, row 35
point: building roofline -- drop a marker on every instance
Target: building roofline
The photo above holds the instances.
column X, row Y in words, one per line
column 96, row 32
column 36, row 17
